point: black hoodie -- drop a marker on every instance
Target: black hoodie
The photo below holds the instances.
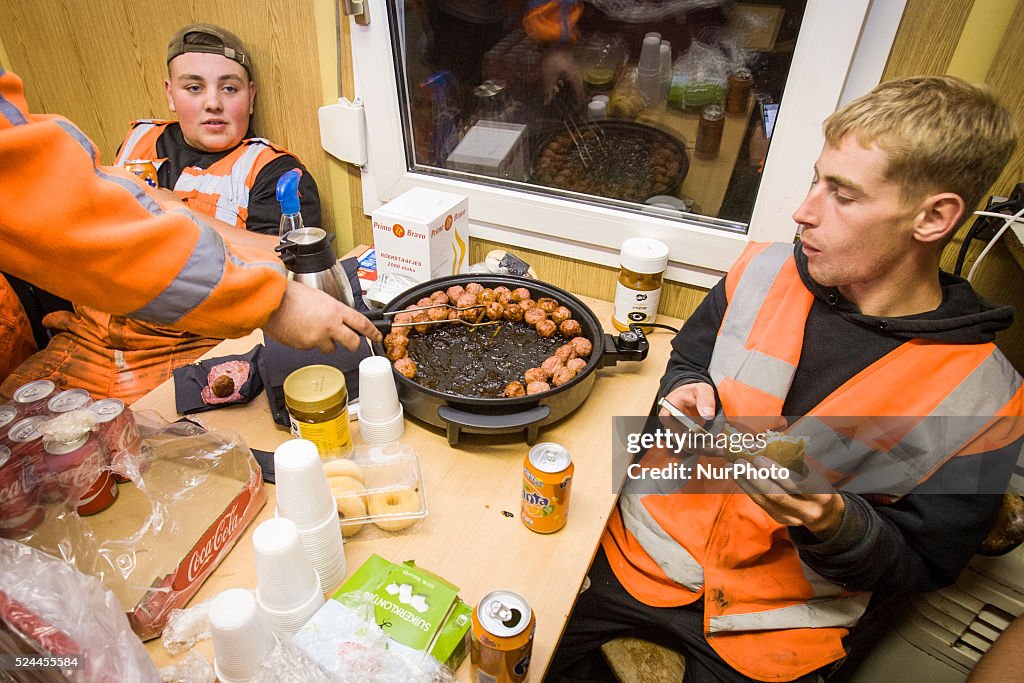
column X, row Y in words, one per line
column 924, row 540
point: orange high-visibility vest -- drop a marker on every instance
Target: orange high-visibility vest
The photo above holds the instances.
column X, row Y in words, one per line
column 222, row 189
column 766, row 613
column 16, row 340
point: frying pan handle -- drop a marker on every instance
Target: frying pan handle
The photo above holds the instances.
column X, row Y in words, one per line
column 629, row 345
column 510, row 422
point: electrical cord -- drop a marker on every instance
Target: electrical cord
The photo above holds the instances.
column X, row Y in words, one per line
column 1006, row 224
column 659, row 325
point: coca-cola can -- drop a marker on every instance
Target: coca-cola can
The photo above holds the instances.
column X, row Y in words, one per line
column 32, row 398
column 68, row 400
column 20, row 511
column 8, row 416
column 79, row 467
column 120, row 434
column 27, row 444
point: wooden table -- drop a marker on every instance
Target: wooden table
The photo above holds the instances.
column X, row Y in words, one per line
column 465, row 537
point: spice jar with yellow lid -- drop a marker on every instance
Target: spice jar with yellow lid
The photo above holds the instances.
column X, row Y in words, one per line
column 317, row 402
column 642, row 267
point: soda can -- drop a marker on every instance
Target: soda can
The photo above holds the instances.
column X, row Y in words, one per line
column 32, row 398
column 27, row 445
column 120, row 434
column 547, row 484
column 79, row 467
column 68, row 400
column 503, row 626
column 20, row 511
column 8, row 416
column 144, row 168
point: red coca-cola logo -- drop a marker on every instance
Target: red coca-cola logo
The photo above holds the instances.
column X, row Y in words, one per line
column 129, row 437
column 216, row 537
column 14, row 491
column 80, row 478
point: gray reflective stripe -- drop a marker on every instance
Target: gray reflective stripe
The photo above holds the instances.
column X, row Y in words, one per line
column 935, row 437
column 192, row 285
column 730, row 357
column 820, row 586
column 147, row 202
column 10, row 112
column 231, row 188
column 128, row 149
column 673, row 559
column 828, row 613
column 759, row 370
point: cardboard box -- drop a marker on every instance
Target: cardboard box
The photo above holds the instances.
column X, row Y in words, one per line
column 492, row 148
column 154, row 549
column 422, row 234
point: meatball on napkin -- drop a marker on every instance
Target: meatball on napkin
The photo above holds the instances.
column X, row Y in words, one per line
column 217, row 382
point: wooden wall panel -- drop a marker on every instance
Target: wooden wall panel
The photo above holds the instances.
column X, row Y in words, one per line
column 1005, row 77
column 102, row 63
column 927, row 37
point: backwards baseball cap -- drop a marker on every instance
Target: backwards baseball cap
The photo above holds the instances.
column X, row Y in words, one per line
column 211, row 39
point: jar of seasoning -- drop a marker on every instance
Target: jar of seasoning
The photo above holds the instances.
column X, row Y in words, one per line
column 709, row 132
column 317, row 402
column 741, row 81
column 642, row 267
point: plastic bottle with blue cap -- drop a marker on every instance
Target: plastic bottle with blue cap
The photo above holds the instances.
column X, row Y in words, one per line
column 288, row 196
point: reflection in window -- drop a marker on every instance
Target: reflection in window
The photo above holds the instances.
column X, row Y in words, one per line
column 632, row 103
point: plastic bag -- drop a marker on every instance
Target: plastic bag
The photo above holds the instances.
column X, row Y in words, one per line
column 90, row 628
column 168, row 527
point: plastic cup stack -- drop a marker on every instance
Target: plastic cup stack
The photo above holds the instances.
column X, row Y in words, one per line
column 287, row 587
column 648, row 70
column 242, row 638
column 381, row 418
column 304, row 497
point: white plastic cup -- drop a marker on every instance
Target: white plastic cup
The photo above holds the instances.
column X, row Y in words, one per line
column 378, row 433
column 378, row 395
column 303, row 495
column 324, row 546
column 284, row 575
column 650, row 55
column 242, row 637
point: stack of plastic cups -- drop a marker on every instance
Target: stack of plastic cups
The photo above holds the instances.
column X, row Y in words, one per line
column 648, row 70
column 242, row 638
column 665, row 52
column 304, row 497
column 287, row 587
column 381, row 418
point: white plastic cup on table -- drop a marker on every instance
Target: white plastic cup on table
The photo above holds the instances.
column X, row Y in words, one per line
column 381, row 417
column 303, row 495
column 287, row 586
column 324, row 546
column 242, row 637
column 650, row 55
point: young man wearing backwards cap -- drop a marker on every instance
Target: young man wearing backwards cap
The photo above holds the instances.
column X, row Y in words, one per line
column 215, row 165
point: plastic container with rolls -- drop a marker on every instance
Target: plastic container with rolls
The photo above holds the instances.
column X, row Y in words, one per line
column 378, row 491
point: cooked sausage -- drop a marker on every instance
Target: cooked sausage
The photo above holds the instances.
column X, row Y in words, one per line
column 570, row 328
column 562, row 375
column 535, row 316
column 560, row 315
column 406, row 367
column 546, row 328
column 576, row 364
column 537, row 388
column 547, row 304
column 514, row 312
column 495, row 311
column 566, row 352
column 551, row 364
column 454, row 292
column 514, row 389
column 536, row 375
column 582, row 345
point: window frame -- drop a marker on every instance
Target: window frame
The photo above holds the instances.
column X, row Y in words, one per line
column 840, row 53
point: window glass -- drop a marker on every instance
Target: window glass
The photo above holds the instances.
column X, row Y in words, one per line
column 635, row 104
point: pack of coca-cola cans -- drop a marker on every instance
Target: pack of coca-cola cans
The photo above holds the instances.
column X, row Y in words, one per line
column 51, row 454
